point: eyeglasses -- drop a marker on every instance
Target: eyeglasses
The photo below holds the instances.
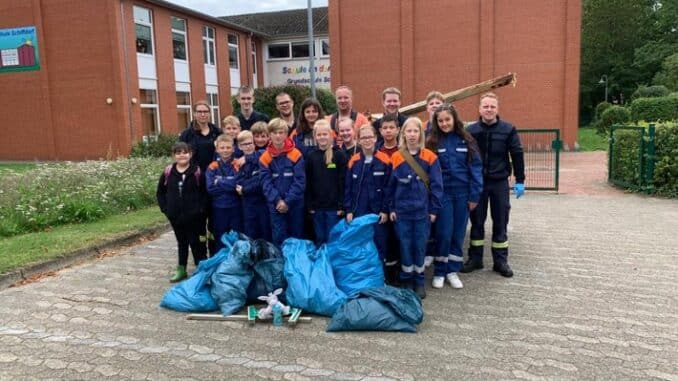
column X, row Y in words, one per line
column 202, row 111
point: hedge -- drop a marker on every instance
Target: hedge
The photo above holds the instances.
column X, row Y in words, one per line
column 161, row 146
column 264, row 99
column 650, row 92
column 655, row 109
column 612, row 115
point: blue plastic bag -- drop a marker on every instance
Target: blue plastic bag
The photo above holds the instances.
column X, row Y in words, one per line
column 354, row 256
column 231, row 279
column 268, row 265
column 379, row 309
column 310, row 283
column 193, row 294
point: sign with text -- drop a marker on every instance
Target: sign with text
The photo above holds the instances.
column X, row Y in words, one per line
column 295, row 72
column 19, row 49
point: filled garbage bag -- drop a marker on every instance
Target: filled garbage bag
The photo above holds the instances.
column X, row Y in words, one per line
column 310, row 283
column 193, row 294
column 379, row 309
column 231, row 279
column 353, row 255
column 268, row 265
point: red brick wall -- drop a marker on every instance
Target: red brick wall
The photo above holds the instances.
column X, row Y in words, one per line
column 446, row 45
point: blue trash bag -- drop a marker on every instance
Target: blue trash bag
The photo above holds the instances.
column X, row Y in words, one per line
column 231, row 279
column 310, row 283
column 354, row 256
column 193, row 294
column 379, row 309
column 268, row 265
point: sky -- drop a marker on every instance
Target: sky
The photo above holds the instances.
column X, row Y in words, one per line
column 218, row 8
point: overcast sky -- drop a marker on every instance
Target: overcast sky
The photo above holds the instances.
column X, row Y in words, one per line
column 235, row 7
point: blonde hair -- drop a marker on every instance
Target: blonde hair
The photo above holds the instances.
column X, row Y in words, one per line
column 435, row 95
column 489, row 95
column 259, row 128
column 232, row 120
column 223, row 138
column 390, row 90
column 324, row 124
column 244, row 135
column 402, row 142
column 277, row 124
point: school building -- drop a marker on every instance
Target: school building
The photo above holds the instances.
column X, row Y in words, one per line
column 86, row 79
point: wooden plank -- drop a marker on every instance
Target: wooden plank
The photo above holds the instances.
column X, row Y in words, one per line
column 240, row 318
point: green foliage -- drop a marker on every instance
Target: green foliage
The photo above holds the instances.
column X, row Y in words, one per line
column 626, row 158
column 56, row 194
column 602, row 106
column 613, row 115
column 10, row 167
column 650, row 92
column 589, row 139
column 161, row 146
column 264, row 99
column 654, row 109
column 668, row 75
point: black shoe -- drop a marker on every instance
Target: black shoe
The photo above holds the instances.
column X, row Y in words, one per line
column 503, row 269
column 471, row 266
column 420, row 291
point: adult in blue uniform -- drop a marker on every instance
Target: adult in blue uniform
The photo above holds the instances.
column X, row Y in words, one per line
column 497, row 140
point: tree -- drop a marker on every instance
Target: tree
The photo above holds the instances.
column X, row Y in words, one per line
column 668, row 75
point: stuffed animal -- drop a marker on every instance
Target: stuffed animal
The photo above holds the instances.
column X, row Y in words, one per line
column 272, row 300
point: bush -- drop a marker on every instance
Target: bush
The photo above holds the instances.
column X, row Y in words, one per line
column 650, row 92
column 654, row 109
column 612, row 115
column 668, row 75
column 264, row 99
column 159, row 147
column 56, row 194
column 602, row 106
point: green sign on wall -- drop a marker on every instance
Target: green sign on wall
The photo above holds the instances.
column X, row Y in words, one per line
column 19, row 49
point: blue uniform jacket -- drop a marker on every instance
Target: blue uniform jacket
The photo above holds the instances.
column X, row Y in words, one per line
column 408, row 196
column 460, row 176
column 250, row 180
column 283, row 177
column 366, row 184
column 221, row 179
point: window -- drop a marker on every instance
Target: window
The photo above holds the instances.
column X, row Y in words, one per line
column 208, row 47
column 233, row 51
column 254, row 58
column 300, row 49
column 324, row 48
column 150, row 123
column 278, row 51
column 143, row 24
column 178, row 38
column 213, row 100
column 183, row 109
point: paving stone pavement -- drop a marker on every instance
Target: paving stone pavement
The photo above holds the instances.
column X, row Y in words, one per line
column 594, row 297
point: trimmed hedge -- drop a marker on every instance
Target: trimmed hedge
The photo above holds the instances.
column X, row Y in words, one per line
column 654, row 109
column 650, row 92
column 264, row 99
column 600, row 108
column 612, row 115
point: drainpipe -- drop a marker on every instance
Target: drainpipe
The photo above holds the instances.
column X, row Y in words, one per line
column 126, row 59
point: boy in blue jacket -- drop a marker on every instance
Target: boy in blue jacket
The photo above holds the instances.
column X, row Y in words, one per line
column 256, row 222
column 221, row 180
column 283, row 180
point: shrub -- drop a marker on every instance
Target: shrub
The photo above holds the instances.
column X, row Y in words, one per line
column 264, row 99
column 602, row 106
column 612, row 115
column 650, row 92
column 56, row 194
column 654, row 109
column 159, row 147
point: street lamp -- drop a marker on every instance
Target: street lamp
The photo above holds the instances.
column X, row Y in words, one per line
column 603, row 79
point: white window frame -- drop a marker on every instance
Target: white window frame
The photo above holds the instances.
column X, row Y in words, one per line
column 145, row 23
column 317, row 49
column 156, row 107
column 320, row 47
column 289, row 51
column 186, row 106
column 209, row 42
column 213, row 101
column 182, row 32
column 237, row 50
column 254, row 57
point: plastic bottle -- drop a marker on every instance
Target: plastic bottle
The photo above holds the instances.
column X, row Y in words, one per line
column 277, row 316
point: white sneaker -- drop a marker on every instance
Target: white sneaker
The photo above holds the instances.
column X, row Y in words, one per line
column 428, row 261
column 438, row 281
column 454, row 281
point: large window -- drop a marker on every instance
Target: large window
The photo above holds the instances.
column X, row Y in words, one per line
column 297, row 49
column 213, row 100
column 254, row 58
column 233, row 51
column 208, row 47
column 279, row 51
column 143, row 24
column 179, row 38
column 150, row 122
column 183, row 109
column 300, row 49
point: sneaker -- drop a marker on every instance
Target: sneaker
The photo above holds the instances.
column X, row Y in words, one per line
column 471, row 266
column 420, row 291
column 503, row 269
column 454, row 281
column 428, row 261
column 438, row 282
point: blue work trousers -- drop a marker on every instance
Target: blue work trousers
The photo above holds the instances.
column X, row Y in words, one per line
column 450, row 229
column 413, row 235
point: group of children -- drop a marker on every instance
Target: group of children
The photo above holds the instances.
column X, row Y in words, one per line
column 421, row 179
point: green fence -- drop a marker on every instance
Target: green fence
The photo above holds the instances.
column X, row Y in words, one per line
column 541, row 149
column 635, row 170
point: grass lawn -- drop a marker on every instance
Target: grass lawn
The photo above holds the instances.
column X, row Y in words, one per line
column 20, row 251
column 17, row 167
column 589, row 140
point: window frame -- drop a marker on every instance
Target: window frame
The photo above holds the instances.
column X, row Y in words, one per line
column 233, row 45
column 144, row 23
column 184, row 106
column 154, row 106
column 209, row 42
column 213, row 101
column 181, row 32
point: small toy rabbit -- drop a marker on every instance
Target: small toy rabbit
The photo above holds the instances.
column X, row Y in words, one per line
column 272, row 300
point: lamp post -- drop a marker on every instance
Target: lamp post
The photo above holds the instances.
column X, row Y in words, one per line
column 603, row 79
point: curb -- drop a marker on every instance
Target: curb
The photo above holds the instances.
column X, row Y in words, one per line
column 69, row 259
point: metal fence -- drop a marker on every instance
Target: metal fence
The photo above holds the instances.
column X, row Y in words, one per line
column 541, row 149
column 631, row 156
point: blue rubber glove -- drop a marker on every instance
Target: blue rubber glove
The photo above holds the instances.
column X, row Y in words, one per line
column 519, row 190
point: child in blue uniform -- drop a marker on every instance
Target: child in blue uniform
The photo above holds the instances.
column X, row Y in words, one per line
column 221, row 179
column 462, row 184
column 256, row 222
column 283, row 180
column 415, row 190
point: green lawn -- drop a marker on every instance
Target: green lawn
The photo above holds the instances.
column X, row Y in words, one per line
column 20, row 251
column 589, row 140
column 17, row 167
